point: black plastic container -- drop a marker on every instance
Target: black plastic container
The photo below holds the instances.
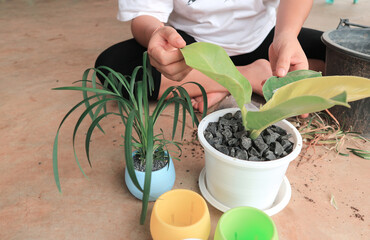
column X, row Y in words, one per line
column 348, row 53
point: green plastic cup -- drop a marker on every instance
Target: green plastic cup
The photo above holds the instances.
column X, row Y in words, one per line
column 245, row 223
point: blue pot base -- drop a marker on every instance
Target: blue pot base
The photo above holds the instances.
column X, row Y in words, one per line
column 162, row 181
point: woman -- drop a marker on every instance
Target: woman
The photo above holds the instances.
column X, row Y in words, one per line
column 262, row 37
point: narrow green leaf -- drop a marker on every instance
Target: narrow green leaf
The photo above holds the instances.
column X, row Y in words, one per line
column 145, row 87
column 360, row 153
column 133, row 78
column 84, row 93
column 183, row 122
column 109, row 80
column 90, row 131
column 140, row 101
column 344, row 154
column 204, row 96
column 55, row 146
column 159, row 106
column 148, row 170
column 79, row 121
column 184, row 94
column 93, row 90
column 175, row 118
column 55, row 162
column 128, row 149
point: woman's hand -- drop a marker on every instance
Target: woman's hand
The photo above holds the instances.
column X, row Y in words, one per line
column 285, row 52
column 285, row 55
column 165, row 55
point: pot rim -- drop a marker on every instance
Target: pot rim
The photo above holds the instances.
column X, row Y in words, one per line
column 297, row 140
column 203, row 218
column 251, row 212
column 325, row 38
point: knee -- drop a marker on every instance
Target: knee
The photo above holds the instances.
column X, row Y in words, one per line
column 262, row 65
column 102, row 59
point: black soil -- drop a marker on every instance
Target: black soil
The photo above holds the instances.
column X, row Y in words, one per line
column 229, row 136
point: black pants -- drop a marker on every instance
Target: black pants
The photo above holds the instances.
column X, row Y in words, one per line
column 123, row 57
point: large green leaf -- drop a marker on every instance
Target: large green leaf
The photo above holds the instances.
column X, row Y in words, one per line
column 213, row 61
column 308, row 95
column 326, row 87
column 301, row 91
column 274, row 83
column 257, row 121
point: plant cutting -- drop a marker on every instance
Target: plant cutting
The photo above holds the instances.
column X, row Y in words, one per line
column 234, row 182
column 147, row 156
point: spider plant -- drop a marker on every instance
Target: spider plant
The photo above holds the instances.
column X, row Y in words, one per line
column 135, row 115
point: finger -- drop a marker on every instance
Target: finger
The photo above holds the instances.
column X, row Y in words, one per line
column 171, row 69
column 165, row 57
column 179, row 76
column 272, row 59
column 282, row 64
column 176, row 67
column 305, row 115
column 173, row 37
column 176, row 72
column 299, row 66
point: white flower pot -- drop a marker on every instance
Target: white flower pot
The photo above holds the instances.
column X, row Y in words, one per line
column 234, row 182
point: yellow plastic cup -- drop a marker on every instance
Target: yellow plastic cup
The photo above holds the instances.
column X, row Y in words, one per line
column 245, row 223
column 180, row 214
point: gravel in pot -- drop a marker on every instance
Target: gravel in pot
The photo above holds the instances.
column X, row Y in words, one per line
column 229, row 136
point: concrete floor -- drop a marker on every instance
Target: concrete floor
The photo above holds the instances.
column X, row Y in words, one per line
column 49, row 43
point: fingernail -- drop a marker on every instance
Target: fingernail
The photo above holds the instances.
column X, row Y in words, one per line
column 180, row 41
column 281, row 72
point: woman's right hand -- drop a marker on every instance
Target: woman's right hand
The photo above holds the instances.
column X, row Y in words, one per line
column 165, row 55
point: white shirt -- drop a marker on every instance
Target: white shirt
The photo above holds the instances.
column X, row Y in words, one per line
column 239, row 26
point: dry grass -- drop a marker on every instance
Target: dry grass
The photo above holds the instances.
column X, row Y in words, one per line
column 323, row 129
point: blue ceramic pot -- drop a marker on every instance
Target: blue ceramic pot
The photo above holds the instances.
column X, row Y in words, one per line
column 162, row 181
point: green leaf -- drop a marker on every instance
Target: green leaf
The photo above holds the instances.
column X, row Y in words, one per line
column 213, row 61
column 128, row 149
column 305, row 96
column 175, row 117
column 274, row 83
column 326, row 87
column 55, row 145
column 159, row 106
column 258, row 121
column 360, row 153
column 55, row 162
column 184, row 95
column 88, row 89
column 148, row 170
column 204, row 97
column 79, row 121
column 311, row 94
column 90, row 131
